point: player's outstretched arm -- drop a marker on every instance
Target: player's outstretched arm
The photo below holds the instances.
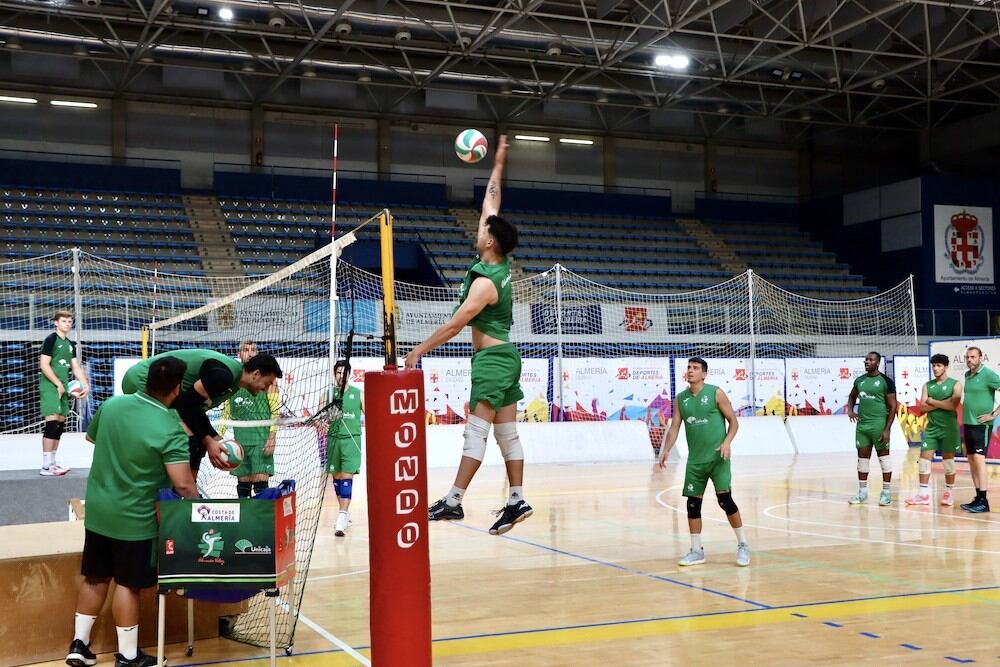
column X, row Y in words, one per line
column 726, row 408
column 491, row 200
column 669, row 437
column 482, row 293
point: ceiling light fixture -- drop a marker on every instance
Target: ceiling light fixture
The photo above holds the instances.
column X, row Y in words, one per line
column 226, row 13
column 18, row 100
column 577, row 142
column 531, row 137
column 672, row 61
column 73, row 105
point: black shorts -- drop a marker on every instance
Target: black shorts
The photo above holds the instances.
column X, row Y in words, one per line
column 977, row 438
column 196, row 452
column 129, row 563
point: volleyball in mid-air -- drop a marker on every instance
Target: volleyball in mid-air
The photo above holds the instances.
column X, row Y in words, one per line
column 471, row 146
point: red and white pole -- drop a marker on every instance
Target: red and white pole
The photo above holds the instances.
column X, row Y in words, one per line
column 399, row 557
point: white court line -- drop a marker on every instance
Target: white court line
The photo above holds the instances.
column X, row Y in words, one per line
column 330, row 637
column 336, row 576
column 788, row 531
column 806, row 501
column 914, row 512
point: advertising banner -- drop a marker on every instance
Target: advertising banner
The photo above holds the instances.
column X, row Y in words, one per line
column 733, row 376
column 820, row 385
column 910, row 373
column 622, row 388
column 448, row 385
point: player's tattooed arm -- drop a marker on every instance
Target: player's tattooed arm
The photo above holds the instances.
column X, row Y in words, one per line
column 491, row 200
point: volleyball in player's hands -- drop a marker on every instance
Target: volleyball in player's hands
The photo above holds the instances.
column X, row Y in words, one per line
column 471, row 146
column 232, row 452
column 75, row 388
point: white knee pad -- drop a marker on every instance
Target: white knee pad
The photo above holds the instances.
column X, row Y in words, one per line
column 864, row 465
column 476, row 432
column 949, row 466
column 924, row 466
column 886, row 463
column 509, row 441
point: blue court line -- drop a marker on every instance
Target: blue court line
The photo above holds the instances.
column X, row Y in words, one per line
column 832, row 624
column 959, row 660
column 869, row 634
column 623, row 568
column 609, row 623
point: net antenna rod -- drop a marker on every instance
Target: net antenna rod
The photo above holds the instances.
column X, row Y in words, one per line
column 334, row 256
column 752, row 357
column 152, row 327
column 388, row 289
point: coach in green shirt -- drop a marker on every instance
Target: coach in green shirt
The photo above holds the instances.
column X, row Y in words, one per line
column 981, row 385
column 139, row 448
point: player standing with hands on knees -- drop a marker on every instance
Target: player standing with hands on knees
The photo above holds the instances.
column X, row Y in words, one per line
column 875, row 394
column 486, row 304
column 705, row 411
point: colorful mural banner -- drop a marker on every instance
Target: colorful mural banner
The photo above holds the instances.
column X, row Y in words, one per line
column 733, row 376
column 910, row 373
column 632, row 388
column 448, row 383
column 820, row 385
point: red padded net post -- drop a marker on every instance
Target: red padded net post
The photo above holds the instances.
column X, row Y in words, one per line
column 397, row 519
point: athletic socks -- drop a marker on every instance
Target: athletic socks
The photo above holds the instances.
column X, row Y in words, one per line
column 696, row 542
column 83, row 624
column 128, row 641
column 924, row 489
column 48, row 459
column 454, row 497
column 740, row 537
column 516, row 495
column 862, row 483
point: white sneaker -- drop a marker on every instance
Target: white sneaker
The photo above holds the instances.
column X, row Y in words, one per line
column 59, row 469
column 946, row 499
column 885, row 498
column 693, row 557
column 53, row 471
column 919, row 499
column 743, row 554
column 343, row 523
column 860, row 497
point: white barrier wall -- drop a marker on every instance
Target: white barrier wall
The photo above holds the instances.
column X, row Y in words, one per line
column 833, row 433
column 757, row 435
column 24, row 452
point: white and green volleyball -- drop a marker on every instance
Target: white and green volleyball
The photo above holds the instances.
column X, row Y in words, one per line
column 471, row 146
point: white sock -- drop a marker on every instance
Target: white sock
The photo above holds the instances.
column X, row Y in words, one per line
column 887, row 486
column 83, row 625
column 454, row 497
column 949, row 486
column 863, row 484
column 740, row 537
column 924, row 489
column 48, row 458
column 696, row 542
column 516, row 495
column 128, row 641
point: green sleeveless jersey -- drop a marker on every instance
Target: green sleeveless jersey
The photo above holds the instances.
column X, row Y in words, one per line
column 704, row 425
column 350, row 423
column 941, row 423
column 494, row 320
column 135, row 378
column 872, row 391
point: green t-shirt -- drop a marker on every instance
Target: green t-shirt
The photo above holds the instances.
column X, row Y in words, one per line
column 244, row 406
column 134, row 437
column 704, row 425
column 62, row 350
column 872, row 391
column 493, row 320
column 941, row 423
column 350, row 423
column 135, row 377
column 980, row 394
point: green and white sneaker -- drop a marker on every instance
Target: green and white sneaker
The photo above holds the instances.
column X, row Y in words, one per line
column 860, row 497
column 743, row 554
column 885, row 498
column 693, row 557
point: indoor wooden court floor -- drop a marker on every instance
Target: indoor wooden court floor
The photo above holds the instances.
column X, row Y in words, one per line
column 592, row 577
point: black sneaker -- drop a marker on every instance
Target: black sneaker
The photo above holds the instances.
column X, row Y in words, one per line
column 440, row 511
column 80, row 655
column 977, row 506
column 509, row 515
column 141, row 660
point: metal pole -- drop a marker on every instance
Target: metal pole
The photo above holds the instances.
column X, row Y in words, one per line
column 77, row 306
column 559, row 341
column 161, row 628
column 333, row 255
column 913, row 311
column 753, row 345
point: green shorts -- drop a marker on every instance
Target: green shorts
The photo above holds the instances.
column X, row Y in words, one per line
column 696, row 476
column 496, row 376
column 50, row 402
column 868, row 436
column 947, row 443
column 343, row 454
column 255, row 462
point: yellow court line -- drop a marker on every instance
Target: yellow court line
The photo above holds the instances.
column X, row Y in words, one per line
column 722, row 621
